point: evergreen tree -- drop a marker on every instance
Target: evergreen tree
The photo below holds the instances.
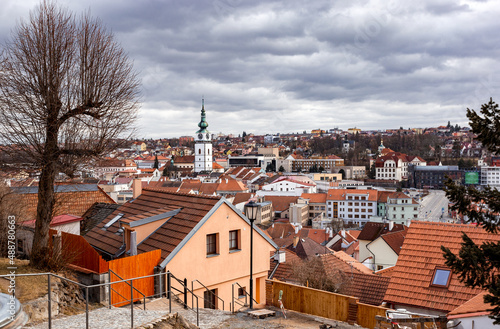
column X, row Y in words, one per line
column 281, row 169
column 372, row 173
column 156, row 165
column 478, row 265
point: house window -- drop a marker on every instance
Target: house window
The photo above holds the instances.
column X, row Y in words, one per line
column 441, row 277
column 212, row 244
column 234, row 240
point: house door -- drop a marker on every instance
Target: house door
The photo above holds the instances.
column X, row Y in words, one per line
column 209, row 299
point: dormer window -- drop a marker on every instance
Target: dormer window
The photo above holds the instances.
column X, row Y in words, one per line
column 441, row 277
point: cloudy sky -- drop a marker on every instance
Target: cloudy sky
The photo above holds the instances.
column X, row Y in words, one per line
column 287, row 66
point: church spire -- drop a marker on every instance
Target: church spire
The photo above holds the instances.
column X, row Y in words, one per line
column 203, row 123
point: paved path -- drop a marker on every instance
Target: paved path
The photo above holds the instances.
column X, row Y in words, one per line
column 118, row 318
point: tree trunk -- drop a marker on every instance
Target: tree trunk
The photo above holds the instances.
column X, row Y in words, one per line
column 40, row 255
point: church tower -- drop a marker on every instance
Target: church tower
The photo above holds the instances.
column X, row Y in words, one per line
column 203, row 145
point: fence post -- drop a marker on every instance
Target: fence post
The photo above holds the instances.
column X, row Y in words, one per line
column 49, row 300
column 109, row 288
column 161, row 283
column 169, row 293
column 131, row 304
column 185, row 293
column 87, row 307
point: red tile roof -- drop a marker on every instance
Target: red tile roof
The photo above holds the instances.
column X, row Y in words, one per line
column 419, row 257
column 373, row 230
column 395, row 240
column 473, row 307
column 340, row 194
column 73, row 199
column 369, row 288
column 386, row 271
column 56, row 221
column 169, row 235
column 341, row 260
column 315, row 197
column 281, row 203
column 242, row 197
column 284, row 271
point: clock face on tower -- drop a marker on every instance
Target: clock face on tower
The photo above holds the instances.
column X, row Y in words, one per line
column 200, row 136
column 208, row 136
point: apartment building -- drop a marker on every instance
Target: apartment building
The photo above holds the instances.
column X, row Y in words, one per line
column 352, row 206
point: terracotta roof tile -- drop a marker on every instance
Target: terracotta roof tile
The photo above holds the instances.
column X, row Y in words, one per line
column 284, row 271
column 472, row 306
column 70, row 199
column 419, row 257
column 395, row 240
column 193, row 209
column 369, row 288
column 373, row 230
column 315, row 197
column 281, row 203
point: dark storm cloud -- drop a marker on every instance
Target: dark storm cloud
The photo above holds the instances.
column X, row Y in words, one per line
column 279, row 66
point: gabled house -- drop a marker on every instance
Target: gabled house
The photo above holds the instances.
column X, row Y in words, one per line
column 201, row 238
column 420, row 281
column 385, row 250
column 371, row 232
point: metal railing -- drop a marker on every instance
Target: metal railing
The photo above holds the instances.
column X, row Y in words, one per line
column 185, row 291
column 130, row 282
column 116, row 292
column 245, row 293
column 208, row 290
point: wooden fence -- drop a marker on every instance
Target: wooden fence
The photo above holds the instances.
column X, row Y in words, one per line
column 322, row 303
column 367, row 313
column 76, row 251
column 133, row 267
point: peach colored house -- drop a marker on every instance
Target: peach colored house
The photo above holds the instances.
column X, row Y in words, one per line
column 202, row 238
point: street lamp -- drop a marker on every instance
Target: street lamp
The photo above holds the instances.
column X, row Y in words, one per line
column 251, row 212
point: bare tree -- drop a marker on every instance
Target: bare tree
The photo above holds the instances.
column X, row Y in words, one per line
column 67, row 90
column 312, row 273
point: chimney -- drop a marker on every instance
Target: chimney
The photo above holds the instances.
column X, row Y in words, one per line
column 297, row 229
column 342, row 232
column 391, row 225
column 226, row 180
column 280, row 256
column 136, row 187
column 133, row 243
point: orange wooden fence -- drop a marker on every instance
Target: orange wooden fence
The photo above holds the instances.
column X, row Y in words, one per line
column 133, row 267
column 322, row 303
column 77, row 251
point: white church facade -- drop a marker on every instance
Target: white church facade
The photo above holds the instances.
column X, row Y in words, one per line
column 203, row 145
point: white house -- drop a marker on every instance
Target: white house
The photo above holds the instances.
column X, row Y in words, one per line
column 287, row 184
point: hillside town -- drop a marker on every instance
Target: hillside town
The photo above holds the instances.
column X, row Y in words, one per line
column 344, row 172
column 345, row 212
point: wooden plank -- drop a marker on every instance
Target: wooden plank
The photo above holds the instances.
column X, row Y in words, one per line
column 133, row 267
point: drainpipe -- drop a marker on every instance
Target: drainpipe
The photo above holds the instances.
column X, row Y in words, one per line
column 372, row 254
